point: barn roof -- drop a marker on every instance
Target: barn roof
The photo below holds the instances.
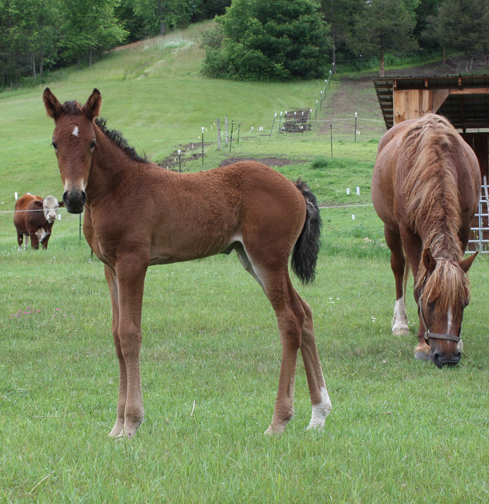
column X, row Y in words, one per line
column 466, row 98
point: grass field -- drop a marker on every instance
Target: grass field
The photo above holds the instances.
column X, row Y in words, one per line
column 400, row 430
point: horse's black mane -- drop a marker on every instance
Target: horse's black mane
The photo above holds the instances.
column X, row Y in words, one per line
column 118, row 139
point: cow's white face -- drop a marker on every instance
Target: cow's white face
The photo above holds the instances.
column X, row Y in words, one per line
column 50, row 207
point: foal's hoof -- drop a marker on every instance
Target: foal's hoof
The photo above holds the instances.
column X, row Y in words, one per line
column 274, row 431
column 118, row 429
column 422, row 352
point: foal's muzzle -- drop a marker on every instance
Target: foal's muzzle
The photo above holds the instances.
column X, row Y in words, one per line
column 75, row 200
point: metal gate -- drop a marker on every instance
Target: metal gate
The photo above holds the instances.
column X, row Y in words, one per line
column 479, row 231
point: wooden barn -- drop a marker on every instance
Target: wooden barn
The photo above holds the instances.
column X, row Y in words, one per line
column 464, row 100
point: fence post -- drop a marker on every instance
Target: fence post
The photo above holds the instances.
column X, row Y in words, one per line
column 202, row 146
column 218, row 135
column 226, row 128
column 231, row 139
column 271, row 129
column 356, row 126
column 331, row 133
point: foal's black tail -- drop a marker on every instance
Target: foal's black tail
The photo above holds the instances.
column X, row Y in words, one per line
column 306, row 249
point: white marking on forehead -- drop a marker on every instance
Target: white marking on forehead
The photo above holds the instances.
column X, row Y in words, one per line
column 75, row 131
column 449, row 320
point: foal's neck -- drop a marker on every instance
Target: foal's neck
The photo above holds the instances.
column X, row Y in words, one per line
column 111, row 167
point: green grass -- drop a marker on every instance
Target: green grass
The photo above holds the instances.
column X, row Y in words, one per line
column 210, row 337
column 400, row 430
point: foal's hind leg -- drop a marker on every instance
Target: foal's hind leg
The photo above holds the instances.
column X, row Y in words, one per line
column 290, row 317
column 398, row 264
column 321, row 403
column 294, row 319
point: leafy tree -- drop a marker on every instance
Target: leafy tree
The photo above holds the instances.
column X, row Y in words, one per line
column 89, row 25
column 209, row 9
column 160, row 15
column 384, row 25
column 425, row 10
column 340, row 15
column 263, row 40
column 133, row 23
column 36, row 24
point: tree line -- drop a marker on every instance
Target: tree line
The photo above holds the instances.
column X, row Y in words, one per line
column 41, row 35
column 253, row 40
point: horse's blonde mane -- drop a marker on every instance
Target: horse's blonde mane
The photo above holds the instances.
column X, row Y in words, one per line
column 432, row 201
column 447, row 285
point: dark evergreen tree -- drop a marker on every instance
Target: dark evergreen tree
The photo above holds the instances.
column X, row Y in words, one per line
column 263, row 40
column 383, row 26
column 462, row 25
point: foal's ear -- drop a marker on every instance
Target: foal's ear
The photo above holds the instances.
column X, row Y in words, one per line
column 93, row 105
column 428, row 260
column 53, row 106
column 467, row 263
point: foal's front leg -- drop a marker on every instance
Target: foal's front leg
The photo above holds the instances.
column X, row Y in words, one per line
column 129, row 279
column 118, row 428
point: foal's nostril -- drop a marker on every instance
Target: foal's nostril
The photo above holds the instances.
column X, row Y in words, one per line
column 75, row 200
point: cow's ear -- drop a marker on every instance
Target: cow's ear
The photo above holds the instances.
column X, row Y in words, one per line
column 61, row 204
column 38, row 203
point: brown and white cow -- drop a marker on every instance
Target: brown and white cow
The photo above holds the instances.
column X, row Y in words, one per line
column 34, row 217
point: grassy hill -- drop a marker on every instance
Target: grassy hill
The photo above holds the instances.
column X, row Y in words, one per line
column 154, row 94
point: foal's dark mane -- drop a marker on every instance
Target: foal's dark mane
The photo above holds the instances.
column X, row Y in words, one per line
column 73, row 107
column 119, row 140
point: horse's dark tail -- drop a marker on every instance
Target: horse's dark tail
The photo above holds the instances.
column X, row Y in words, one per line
column 306, row 249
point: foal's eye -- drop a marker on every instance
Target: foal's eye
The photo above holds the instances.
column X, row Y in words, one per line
column 55, row 145
column 92, row 145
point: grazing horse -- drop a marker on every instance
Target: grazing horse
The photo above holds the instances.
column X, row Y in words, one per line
column 426, row 188
column 138, row 214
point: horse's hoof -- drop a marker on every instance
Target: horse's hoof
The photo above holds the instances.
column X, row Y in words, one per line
column 400, row 330
column 422, row 353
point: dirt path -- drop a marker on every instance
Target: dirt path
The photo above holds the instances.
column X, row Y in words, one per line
column 357, row 94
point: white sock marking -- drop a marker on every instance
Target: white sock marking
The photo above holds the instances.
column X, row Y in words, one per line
column 400, row 320
column 320, row 411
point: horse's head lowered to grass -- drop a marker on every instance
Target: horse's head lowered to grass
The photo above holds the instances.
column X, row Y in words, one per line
column 443, row 294
column 74, row 142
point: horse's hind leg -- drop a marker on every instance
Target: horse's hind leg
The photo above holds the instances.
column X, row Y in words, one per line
column 398, row 265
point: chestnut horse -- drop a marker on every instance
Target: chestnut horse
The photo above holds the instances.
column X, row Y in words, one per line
column 426, row 187
column 138, row 214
